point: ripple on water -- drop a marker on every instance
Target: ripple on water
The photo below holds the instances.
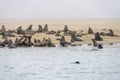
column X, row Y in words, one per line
column 58, row 63
column 9, row 67
column 24, row 75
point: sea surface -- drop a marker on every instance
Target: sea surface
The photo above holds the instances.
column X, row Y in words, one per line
column 59, row 63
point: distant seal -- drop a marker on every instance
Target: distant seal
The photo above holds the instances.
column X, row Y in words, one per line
column 97, row 45
column 90, row 31
column 45, row 29
column 66, row 28
column 10, row 44
column 20, row 30
column 29, row 28
column 98, row 37
column 74, row 37
column 40, row 30
column 77, row 62
column 62, row 41
column 111, row 33
column 3, row 27
column 58, row 33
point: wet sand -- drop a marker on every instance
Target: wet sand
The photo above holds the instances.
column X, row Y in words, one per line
column 98, row 25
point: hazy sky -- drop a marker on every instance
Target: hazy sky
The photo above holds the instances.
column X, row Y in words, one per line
column 47, row 9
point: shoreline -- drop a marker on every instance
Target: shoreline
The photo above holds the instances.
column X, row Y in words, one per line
column 98, row 25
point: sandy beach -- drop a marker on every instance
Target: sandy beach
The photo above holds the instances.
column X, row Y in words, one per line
column 98, row 25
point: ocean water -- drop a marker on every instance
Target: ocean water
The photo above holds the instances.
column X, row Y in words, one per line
column 59, row 63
